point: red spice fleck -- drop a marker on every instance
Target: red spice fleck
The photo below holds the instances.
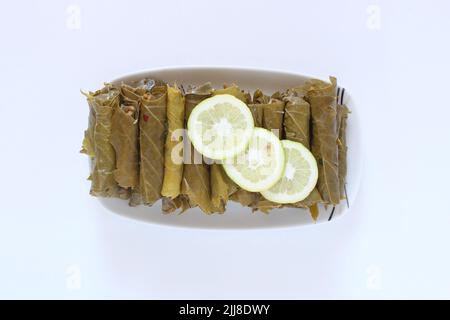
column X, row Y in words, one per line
column 146, row 117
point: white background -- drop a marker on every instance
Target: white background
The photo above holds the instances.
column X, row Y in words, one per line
column 58, row 242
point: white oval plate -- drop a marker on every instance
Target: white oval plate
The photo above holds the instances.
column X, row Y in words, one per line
column 236, row 216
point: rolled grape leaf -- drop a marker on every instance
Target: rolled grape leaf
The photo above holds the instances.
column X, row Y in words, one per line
column 244, row 197
column 152, row 133
column 342, row 115
column 134, row 94
column 104, row 102
column 222, row 187
column 196, row 178
column 273, row 118
column 322, row 98
column 297, row 128
column 124, row 139
column 136, row 91
column 173, row 154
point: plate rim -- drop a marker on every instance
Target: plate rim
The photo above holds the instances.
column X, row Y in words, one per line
column 214, row 68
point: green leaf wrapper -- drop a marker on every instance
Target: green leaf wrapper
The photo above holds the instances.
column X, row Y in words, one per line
column 171, row 205
column 322, row 98
column 134, row 93
column 88, row 146
column 233, row 90
column 124, row 139
column 297, row 128
column 104, row 102
column 342, row 115
column 244, row 197
column 196, row 184
column 296, row 120
column 173, row 171
column 222, row 187
column 152, row 135
column 273, row 115
column 273, row 118
column 259, row 100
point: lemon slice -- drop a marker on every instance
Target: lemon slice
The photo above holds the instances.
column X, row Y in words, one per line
column 220, row 127
column 299, row 178
column 261, row 165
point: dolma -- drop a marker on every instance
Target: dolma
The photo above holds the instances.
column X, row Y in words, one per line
column 273, row 117
column 104, row 103
column 242, row 196
column 124, row 139
column 322, row 98
column 222, row 187
column 173, row 162
column 297, row 128
column 342, row 114
column 152, row 134
column 196, row 184
column 135, row 93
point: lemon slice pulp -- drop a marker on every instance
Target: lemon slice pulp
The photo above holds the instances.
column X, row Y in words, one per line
column 220, row 127
column 299, row 177
column 261, row 165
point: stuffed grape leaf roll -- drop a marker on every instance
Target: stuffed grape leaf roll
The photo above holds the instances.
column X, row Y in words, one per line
column 273, row 118
column 152, row 134
column 133, row 93
column 242, row 196
column 342, row 114
column 273, row 115
column 104, row 103
column 196, row 177
column 222, row 187
column 173, row 152
column 124, row 139
column 297, row 128
column 322, row 98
